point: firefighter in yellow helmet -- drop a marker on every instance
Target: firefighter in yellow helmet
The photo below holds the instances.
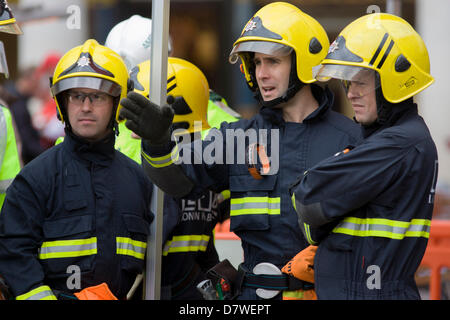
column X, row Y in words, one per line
column 131, row 39
column 294, row 130
column 10, row 162
column 78, row 215
column 371, row 206
column 188, row 241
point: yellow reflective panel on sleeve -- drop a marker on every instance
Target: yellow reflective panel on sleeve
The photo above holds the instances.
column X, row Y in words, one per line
column 293, row 201
column 130, row 247
column 254, row 205
column 163, row 161
column 393, row 229
column 308, row 234
column 39, row 293
column 68, row 248
column 186, row 243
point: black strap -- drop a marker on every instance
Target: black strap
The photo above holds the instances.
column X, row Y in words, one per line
column 275, row 282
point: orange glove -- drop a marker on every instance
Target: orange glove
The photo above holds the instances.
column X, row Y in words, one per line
column 100, row 292
column 302, row 265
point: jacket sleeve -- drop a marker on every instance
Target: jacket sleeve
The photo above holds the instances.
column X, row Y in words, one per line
column 348, row 180
column 21, row 222
column 187, row 169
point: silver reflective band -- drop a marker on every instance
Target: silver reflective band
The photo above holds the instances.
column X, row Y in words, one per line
column 39, row 293
column 130, row 247
column 68, row 248
column 254, row 205
column 163, row 161
column 393, row 229
column 187, row 243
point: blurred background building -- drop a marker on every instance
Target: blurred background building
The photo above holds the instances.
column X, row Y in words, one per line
column 203, row 32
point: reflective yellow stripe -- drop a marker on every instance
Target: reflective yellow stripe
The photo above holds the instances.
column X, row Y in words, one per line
column 308, row 234
column 225, row 194
column 163, row 161
column 130, row 247
column 375, row 227
column 68, row 248
column 186, row 243
column 39, row 293
column 293, row 295
column 293, row 201
column 254, row 205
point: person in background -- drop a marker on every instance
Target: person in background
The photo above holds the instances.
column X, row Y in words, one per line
column 10, row 161
column 188, row 224
column 22, row 90
column 44, row 116
column 131, row 39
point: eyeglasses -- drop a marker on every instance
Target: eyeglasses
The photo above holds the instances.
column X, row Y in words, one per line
column 359, row 88
column 96, row 98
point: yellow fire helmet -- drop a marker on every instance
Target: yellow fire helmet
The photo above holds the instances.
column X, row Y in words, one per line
column 93, row 66
column 386, row 44
column 186, row 84
column 8, row 23
column 278, row 28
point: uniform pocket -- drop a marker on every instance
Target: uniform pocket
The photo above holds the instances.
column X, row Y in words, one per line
column 251, row 203
column 133, row 245
column 68, row 241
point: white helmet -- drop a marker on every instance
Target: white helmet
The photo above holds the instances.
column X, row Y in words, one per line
column 132, row 39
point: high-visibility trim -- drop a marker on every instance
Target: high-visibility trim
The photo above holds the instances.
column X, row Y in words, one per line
column 39, row 293
column 255, row 205
column 163, row 161
column 308, row 234
column 130, row 247
column 293, row 201
column 186, row 243
column 68, row 248
column 293, row 295
column 225, row 194
column 375, row 227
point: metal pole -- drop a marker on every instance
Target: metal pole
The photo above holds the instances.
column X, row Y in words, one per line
column 394, row 7
column 158, row 92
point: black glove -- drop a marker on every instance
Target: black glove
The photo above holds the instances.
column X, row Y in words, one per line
column 148, row 120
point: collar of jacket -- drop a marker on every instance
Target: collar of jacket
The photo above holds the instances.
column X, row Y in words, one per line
column 99, row 152
column 393, row 114
column 324, row 97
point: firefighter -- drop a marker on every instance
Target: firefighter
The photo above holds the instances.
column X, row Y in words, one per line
column 10, row 162
column 188, row 240
column 369, row 207
column 278, row 48
column 78, row 215
column 131, row 38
